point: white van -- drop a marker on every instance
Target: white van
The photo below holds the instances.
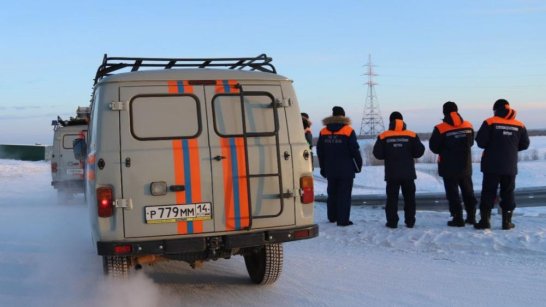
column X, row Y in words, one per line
column 194, row 160
column 67, row 172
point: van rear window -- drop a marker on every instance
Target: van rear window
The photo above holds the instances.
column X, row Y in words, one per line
column 160, row 117
column 259, row 114
column 68, row 139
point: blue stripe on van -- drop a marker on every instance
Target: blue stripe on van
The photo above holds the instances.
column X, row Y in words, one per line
column 235, row 174
column 187, row 177
column 180, row 86
column 227, row 88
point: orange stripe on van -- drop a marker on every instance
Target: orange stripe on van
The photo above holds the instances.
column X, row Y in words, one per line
column 195, row 173
column 91, row 175
column 182, row 228
column 178, row 170
column 91, row 159
column 178, row 158
column 173, row 88
column 226, row 86
column 188, row 89
column 181, row 157
column 229, row 208
column 236, row 197
column 243, row 188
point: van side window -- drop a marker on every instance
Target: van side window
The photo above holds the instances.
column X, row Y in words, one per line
column 163, row 117
column 259, row 114
column 68, row 139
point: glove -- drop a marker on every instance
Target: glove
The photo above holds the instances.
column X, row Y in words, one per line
column 323, row 173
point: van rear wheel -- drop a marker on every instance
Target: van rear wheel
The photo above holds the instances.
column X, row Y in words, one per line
column 264, row 264
column 116, row 266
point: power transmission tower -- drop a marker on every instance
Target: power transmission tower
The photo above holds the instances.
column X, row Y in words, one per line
column 372, row 122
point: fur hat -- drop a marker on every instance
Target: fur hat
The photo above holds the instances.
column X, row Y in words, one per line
column 449, row 107
column 395, row 115
column 338, row 111
column 500, row 104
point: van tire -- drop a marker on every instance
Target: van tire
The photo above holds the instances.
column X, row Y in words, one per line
column 116, row 266
column 264, row 264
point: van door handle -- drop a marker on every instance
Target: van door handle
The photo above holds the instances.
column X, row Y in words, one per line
column 286, row 155
column 219, row 158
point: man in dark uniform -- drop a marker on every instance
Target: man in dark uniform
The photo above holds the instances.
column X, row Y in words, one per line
column 399, row 147
column 307, row 129
column 339, row 159
column 501, row 137
column 451, row 140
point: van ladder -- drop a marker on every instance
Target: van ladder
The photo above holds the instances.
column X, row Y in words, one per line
column 246, row 135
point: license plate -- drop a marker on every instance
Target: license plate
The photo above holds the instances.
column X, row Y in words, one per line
column 74, row 171
column 177, row 213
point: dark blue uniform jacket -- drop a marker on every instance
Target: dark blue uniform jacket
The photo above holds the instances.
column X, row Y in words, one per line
column 398, row 147
column 452, row 140
column 337, row 149
column 501, row 137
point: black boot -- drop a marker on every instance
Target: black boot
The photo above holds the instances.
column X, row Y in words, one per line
column 457, row 221
column 470, row 216
column 507, row 220
column 484, row 220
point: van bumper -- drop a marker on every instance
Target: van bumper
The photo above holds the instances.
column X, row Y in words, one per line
column 201, row 244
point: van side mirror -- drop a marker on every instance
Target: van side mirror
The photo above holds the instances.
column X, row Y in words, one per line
column 79, row 147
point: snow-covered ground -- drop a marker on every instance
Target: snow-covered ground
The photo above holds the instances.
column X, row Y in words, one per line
column 47, row 259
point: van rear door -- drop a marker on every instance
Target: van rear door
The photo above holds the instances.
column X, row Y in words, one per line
column 165, row 161
column 252, row 158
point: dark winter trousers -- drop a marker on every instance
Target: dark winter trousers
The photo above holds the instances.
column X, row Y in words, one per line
column 408, row 192
column 451, row 185
column 339, row 199
column 490, row 184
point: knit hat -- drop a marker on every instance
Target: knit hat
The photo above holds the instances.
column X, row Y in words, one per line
column 338, row 111
column 305, row 115
column 500, row 104
column 449, row 107
column 395, row 115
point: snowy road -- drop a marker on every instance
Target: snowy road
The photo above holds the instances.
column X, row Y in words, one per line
column 47, row 259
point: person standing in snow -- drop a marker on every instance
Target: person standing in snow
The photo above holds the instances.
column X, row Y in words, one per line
column 501, row 137
column 399, row 147
column 451, row 140
column 307, row 129
column 339, row 159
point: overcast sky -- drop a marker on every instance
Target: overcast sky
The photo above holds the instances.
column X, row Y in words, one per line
column 426, row 52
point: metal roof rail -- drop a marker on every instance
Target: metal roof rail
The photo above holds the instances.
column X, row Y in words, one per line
column 112, row 64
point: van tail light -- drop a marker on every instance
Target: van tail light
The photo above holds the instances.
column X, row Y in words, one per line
column 307, row 190
column 302, row 234
column 105, row 201
column 53, row 167
column 122, row 249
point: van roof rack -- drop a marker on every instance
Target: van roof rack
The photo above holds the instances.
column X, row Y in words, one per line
column 112, row 64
